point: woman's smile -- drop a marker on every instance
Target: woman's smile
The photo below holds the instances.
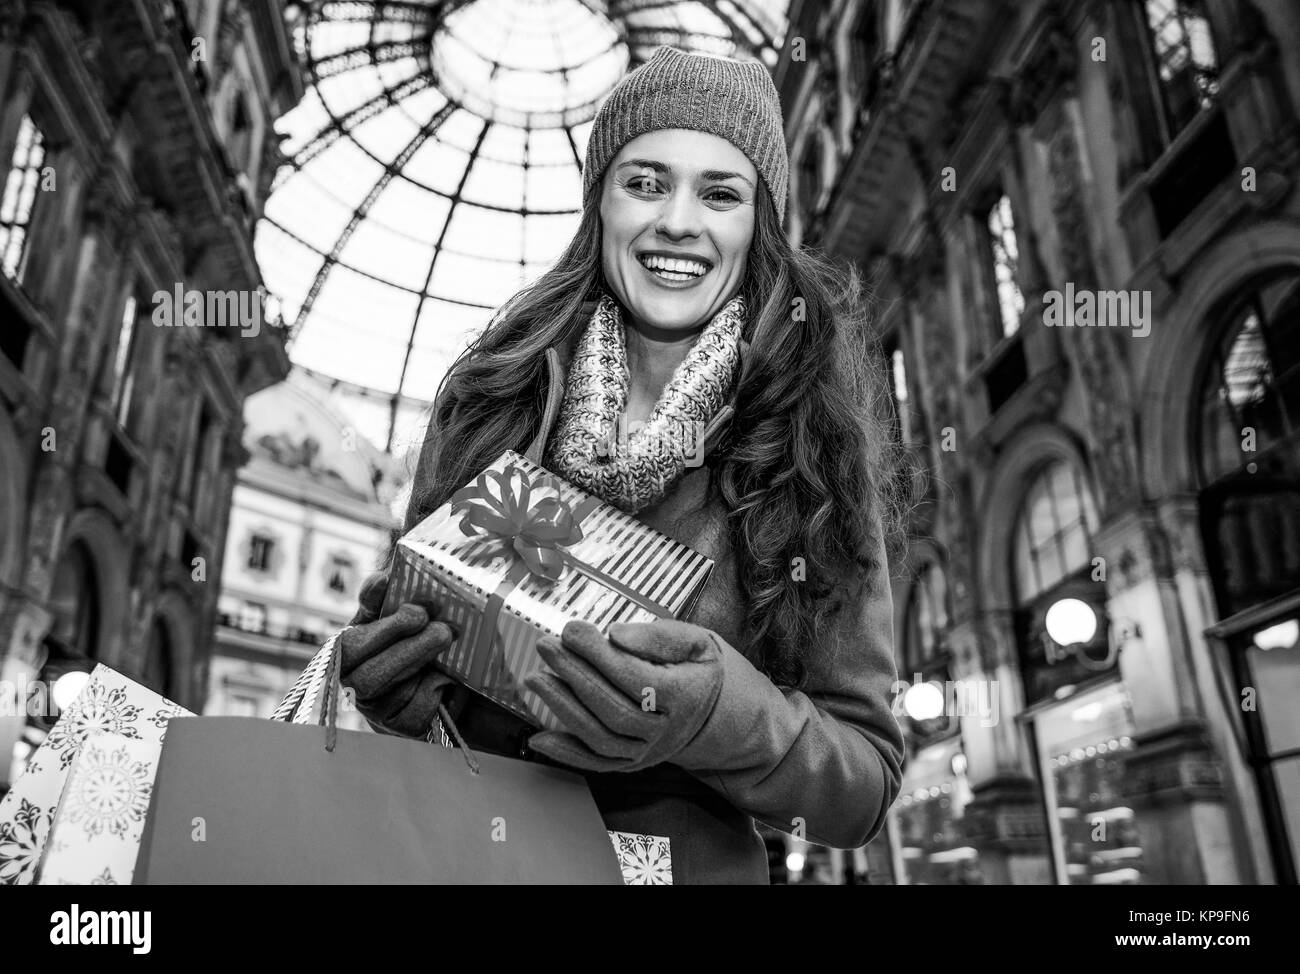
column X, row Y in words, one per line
column 676, row 270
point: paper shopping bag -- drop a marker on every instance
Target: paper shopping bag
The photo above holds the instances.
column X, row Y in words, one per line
column 109, row 703
column 240, row 801
column 519, row 552
column 100, row 819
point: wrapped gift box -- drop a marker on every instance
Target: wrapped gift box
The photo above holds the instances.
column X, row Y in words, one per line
column 520, row 552
column 109, row 703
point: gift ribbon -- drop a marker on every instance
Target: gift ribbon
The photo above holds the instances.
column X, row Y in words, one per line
column 537, row 534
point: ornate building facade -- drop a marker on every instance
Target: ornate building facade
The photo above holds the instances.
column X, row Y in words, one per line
column 138, row 148
column 312, row 515
column 1082, row 223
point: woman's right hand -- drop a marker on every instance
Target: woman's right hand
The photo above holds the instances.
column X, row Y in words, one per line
column 389, row 662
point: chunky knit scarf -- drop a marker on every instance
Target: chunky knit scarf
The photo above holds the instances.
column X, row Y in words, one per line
column 590, row 446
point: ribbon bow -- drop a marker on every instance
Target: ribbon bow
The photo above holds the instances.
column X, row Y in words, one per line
column 535, row 532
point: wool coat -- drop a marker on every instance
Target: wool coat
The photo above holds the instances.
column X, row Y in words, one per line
column 823, row 761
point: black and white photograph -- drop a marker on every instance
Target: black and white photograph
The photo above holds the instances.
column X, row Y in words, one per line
column 651, row 442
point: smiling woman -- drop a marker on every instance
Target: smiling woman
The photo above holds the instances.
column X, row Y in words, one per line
column 680, row 302
column 674, row 242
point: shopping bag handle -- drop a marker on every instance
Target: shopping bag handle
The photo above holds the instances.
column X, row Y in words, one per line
column 323, row 672
column 329, row 711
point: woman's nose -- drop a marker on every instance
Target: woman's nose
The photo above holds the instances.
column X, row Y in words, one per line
column 680, row 215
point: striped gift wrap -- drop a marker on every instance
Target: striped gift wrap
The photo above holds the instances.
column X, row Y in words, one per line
column 620, row 570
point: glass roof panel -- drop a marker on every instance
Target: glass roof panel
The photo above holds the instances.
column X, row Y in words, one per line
column 434, row 168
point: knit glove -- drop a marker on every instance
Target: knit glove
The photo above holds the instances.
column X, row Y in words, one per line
column 629, row 701
column 390, row 663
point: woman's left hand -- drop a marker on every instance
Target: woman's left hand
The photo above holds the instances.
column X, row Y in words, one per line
column 629, row 701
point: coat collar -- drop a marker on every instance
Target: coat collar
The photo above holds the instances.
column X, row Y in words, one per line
column 557, row 362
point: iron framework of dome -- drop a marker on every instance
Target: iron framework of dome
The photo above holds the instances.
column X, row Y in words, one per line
column 435, row 168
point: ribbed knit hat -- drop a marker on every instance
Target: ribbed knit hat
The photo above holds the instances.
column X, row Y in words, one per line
column 735, row 100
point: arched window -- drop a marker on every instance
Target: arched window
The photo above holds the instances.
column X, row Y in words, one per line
column 1052, row 561
column 1249, row 446
column 1250, row 396
column 75, row 603
column 1054, row 533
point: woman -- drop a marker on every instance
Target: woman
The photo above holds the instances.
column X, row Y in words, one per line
column 679, row 304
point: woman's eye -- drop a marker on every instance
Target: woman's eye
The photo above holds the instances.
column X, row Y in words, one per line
column 722, row 196
column 642, row 184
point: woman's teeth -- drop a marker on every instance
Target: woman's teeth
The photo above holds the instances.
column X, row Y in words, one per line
column 673, row 268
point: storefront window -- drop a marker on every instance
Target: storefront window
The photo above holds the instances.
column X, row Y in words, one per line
column 1264, row 662
column 927, row 820
column 1082, row 745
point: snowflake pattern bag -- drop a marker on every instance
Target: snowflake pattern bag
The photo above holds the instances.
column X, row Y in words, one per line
column 108, row 704
column 645, row 860
column 97, row 828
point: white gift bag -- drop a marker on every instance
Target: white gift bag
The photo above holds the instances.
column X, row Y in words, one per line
column 108, row 704
column 97, row 827
column 118, row 727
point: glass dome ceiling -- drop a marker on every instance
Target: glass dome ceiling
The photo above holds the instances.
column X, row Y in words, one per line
column 435, row 168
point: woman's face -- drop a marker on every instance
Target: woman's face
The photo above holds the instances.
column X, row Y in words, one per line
column 677, row 218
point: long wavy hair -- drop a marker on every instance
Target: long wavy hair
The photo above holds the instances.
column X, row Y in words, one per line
column 807, row 470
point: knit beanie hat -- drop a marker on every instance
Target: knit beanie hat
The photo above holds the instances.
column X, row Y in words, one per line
column 735, row 100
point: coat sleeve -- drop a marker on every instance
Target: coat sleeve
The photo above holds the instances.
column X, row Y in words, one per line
column 830, row 754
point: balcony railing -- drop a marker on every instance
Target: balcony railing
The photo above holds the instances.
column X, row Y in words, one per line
column 290, row 634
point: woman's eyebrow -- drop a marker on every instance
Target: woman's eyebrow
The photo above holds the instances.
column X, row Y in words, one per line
column 660, row 167
column 723, row 174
